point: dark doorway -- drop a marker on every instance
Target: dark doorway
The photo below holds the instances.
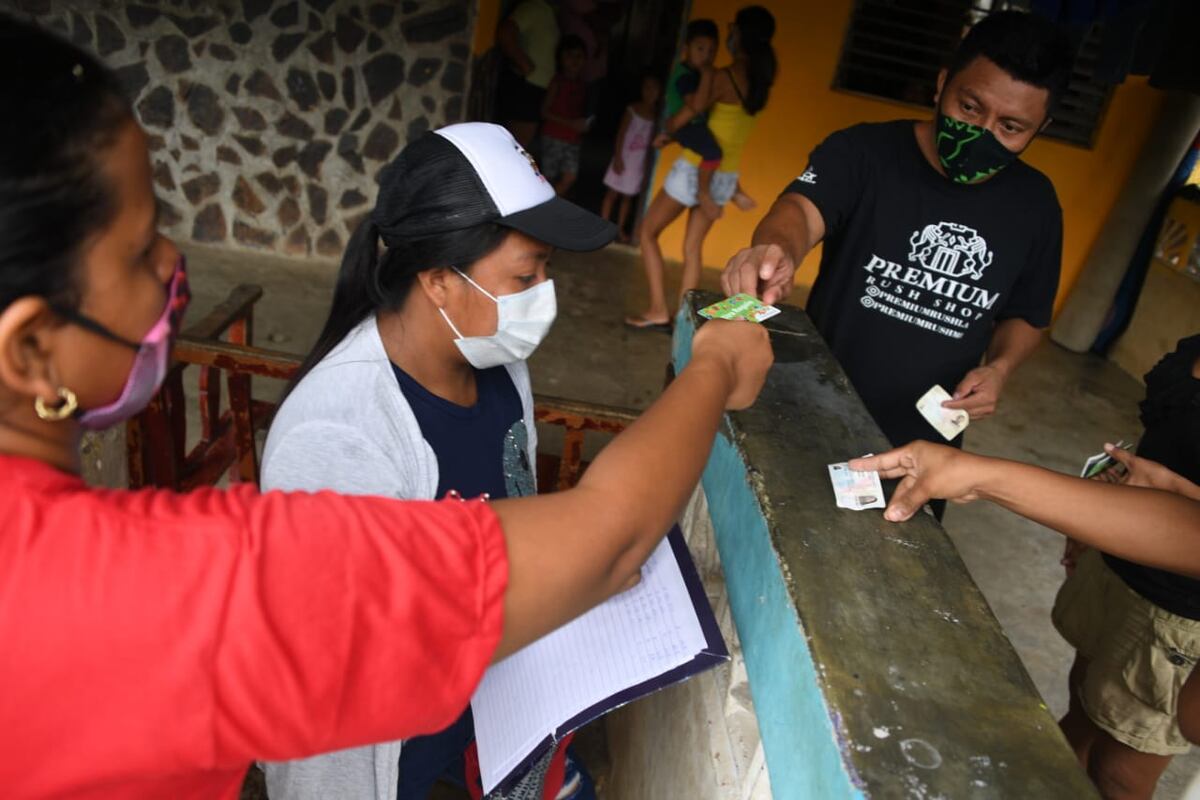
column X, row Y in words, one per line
column 645, row 37
column 642, row 35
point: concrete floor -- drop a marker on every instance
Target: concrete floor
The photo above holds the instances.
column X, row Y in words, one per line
column 1059, row 408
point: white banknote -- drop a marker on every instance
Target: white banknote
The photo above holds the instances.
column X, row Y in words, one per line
column 949, row 422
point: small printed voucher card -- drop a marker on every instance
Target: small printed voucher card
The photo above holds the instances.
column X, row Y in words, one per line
column 740, row 306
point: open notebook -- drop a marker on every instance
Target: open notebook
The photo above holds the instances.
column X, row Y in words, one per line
column 658, row 633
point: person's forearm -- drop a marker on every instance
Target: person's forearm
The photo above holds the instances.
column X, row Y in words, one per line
column 681, row 117
column 702, row 99
column 1181, row 485
column 785, row 226
column 1152, row 527
column 1013, row 341
column 670, row 441
column 570, row 550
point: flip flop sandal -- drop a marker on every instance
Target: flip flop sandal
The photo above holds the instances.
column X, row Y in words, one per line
column 643, row 324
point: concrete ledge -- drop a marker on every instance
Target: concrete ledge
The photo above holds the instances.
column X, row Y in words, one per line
column 698, row 739
column 875, row 666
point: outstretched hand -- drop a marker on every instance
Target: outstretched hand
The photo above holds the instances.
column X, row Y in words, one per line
column 764, row 271
column 1146, row 473
column 927, row 472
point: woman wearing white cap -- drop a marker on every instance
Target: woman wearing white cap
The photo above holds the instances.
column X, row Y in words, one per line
column 156, row 643
column 418, row 387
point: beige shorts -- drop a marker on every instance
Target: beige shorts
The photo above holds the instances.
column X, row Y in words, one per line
column 1138, row 656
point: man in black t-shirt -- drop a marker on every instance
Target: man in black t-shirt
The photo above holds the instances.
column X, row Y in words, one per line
column 941, row 248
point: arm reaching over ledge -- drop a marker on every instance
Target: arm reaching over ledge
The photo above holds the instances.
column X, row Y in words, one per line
column 766, row 269
column 569, row 551
column 1166, row 523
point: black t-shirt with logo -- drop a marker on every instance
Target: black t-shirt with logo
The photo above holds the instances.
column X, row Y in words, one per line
column 917, row 270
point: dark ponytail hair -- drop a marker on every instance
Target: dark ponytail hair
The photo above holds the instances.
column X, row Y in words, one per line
column 371, row 281
column 61, row 111
column 755, row 27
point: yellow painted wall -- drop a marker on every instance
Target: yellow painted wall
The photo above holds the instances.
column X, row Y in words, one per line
column 803, row 110
column 487, row 17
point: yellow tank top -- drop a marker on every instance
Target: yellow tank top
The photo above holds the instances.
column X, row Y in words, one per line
column 730, row 126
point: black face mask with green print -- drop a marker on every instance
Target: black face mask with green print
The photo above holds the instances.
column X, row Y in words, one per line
column 968, row 152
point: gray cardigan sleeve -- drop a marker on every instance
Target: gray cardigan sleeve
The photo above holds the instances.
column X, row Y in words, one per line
column 320, row 454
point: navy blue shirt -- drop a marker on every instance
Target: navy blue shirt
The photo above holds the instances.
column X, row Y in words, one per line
column 481, row 448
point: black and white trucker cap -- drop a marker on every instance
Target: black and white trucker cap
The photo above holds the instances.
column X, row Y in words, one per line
column 473, row 173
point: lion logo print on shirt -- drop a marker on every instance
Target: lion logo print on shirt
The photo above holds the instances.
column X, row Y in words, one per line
column 951, row 249
column 937, row 289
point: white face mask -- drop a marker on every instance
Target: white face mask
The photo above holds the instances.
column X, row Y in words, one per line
column 522, row 321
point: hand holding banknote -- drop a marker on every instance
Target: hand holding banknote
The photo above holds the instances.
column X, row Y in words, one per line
column 1149, row 474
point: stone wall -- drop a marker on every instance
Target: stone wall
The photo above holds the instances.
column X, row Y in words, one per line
column 269, row 119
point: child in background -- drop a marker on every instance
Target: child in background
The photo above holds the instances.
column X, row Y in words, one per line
column 690, row 85
column 563, row 116
column 627, row 171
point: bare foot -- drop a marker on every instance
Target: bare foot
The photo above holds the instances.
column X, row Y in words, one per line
column 744, row 201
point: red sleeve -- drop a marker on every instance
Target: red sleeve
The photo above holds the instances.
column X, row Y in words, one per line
column 149, row 632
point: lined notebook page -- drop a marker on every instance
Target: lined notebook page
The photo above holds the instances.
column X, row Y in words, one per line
column 635, row 636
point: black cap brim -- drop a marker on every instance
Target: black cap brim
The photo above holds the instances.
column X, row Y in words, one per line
column 563, row 224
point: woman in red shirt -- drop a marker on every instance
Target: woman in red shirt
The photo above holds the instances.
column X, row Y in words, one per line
column 156, row 643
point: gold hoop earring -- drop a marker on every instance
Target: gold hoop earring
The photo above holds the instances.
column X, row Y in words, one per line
column 57, row 414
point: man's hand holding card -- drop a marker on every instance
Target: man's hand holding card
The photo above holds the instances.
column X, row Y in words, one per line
column 978, row 392
column 949, row 422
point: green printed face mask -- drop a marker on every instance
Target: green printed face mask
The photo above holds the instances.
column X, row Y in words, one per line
column 968, row 152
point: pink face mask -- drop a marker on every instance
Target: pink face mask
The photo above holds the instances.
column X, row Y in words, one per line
column 151, row 362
